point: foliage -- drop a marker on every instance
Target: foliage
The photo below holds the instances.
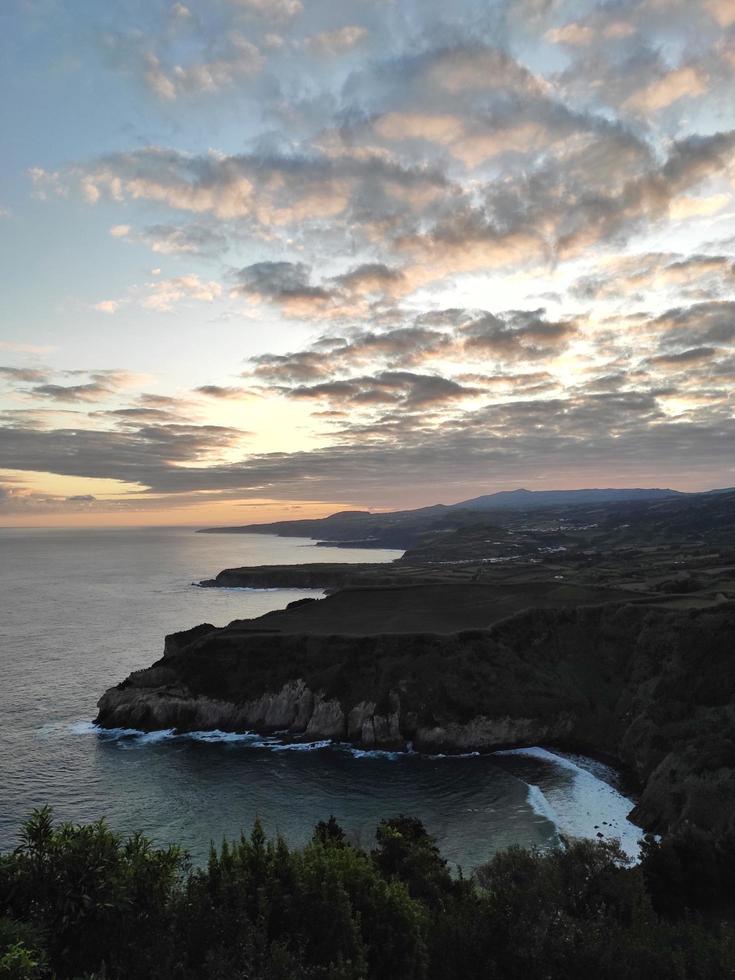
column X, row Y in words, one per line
column 94, row 896
column 692, row 869
column 80, row 901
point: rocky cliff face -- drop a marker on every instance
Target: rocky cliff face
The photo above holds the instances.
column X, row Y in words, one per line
column 143, row 704
column 654, row 687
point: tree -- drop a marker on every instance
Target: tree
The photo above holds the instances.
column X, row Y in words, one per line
column 408, row 852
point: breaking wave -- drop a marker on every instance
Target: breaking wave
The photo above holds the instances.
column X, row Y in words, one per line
column 586, row 806
column 274, row 742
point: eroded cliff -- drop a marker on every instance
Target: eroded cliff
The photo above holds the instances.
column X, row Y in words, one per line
column 652, row 686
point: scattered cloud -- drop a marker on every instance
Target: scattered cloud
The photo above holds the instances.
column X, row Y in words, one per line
column 462, row 241
column 192, row 239
column 22, row 374
column 723, row 11
column 279, row 10
column 102, row 385
column 108, row 306
column 217, row 391
column 164, row 294
column 337, row 41
column 239, row 59
column 687, row 82
column 570, row 33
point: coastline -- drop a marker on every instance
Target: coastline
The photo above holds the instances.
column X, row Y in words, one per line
column 589, row 807
column 582, row 678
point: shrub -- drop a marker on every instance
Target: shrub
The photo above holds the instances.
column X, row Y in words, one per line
column 82, row 902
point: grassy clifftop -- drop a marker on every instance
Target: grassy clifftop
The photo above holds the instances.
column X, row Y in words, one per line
column 652, row 685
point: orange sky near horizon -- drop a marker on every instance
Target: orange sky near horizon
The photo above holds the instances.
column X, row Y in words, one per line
column 198, row 515
column 266, row 260
column 237, row 512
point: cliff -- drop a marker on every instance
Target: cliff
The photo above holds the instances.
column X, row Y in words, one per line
column 316, row 575
column 652, row 685
column 656, row 514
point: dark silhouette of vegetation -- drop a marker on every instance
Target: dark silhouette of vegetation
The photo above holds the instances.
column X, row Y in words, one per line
column 79, row 901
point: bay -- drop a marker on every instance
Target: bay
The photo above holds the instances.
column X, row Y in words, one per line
column 81, row 609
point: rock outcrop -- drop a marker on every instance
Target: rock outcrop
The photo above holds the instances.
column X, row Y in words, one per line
column 649, row 685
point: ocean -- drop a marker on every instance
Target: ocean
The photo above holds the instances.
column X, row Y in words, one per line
column 81, row 609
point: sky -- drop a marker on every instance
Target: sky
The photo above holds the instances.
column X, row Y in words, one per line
column 264, row 259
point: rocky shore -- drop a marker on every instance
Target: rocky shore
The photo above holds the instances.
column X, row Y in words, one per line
column 649, row 685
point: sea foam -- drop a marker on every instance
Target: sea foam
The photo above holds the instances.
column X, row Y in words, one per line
column 587, row 807
column 584, row 806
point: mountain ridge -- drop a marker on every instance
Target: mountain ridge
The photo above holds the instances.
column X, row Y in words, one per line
column 522, row 497
column 403, row 528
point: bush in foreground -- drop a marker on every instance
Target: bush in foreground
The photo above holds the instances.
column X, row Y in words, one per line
column 79, row 901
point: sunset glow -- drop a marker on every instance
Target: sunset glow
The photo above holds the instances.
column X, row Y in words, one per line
column 272, row 260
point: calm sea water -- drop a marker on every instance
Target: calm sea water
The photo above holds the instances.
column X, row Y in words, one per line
column 81, row 609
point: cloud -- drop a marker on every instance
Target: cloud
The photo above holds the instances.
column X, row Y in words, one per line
column 164, row 294
column 15, row 499
column 192, row 239
column 570, row 33
column 333, row 369
column 413, row 204
column 22, row 374
column 91, row 392
column 134, row 416
column 723, row 11
column 405, row 388
column 299, row 367
column 290, row 285
column 710, row 322
column 407, row 346
column 472, row 144
column 108, row 306
column 271, row 190
column 141, row 455
column 336, row 42
column 102, row 385
column 572, row 195
column 687, row 82
column 275, row 279
column 623, row 432
column 688, row 207
column 370, row 277
column 517, row 335
column 240, row 58
column 640, row 274
column 684, row 358
column 177, row 239
column 217, row 391
column 287, row 283
column 278, row 10
column 446, row 425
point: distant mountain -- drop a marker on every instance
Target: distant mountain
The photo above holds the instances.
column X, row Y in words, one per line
column 531, row 499
column 406, row 529
column 396, row 529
